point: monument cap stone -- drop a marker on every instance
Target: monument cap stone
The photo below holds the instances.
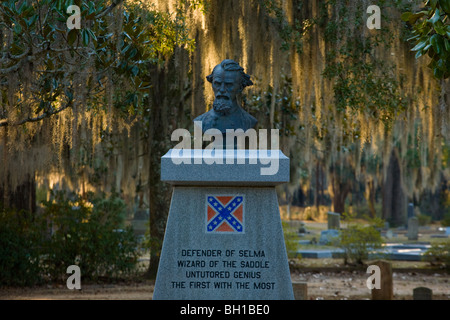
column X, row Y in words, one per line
column 238, row 168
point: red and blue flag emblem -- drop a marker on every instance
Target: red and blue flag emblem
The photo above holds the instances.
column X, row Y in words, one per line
column 225, row 214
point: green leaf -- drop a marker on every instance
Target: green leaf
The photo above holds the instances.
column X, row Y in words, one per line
column 91, row 11
column 414, row 17
column 439, row 28
column 124, row 50
column 22, row 8
column 32, row 20
column 85, row 37
column 419, row 46
column 433, row 4
column 447, row 45
column 414, row 37
column 127, row 35
column 92, row 34
column 72, row 36
column 133, row 53
column 438, row 73
column 17, row 28
column 437, row 43
column 435, row 18
column 135, row 71
column 445, row 5
column 419, row 54
column 406, row 16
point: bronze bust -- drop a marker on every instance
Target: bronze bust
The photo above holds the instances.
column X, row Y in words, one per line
column 228, row 79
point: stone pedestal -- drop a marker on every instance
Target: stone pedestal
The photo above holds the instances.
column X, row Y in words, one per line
column 224, row 239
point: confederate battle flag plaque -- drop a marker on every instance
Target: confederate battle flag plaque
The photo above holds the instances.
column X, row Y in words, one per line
column 225, row 214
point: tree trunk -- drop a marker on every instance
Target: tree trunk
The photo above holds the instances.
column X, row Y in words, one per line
column 22, row 198
column 339, row 198
column 316, row 193
column 159, row 209
column 298, row 198
column 4, row 185
column 370, row 197
column 394, row 199
column 443, row 118
column 167, row 104
column 341, row 187
column 159, row 196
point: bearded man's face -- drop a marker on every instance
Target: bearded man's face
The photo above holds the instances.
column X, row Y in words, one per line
column 226, row 87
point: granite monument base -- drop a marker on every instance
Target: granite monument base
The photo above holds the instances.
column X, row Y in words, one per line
column 223, row 243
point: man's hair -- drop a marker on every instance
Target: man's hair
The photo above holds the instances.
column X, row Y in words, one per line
column 231, row 65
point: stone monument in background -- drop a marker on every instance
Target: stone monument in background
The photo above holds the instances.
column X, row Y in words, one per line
column 422, row 293
column 413, row 228
column 224, row 238
column 334, row 221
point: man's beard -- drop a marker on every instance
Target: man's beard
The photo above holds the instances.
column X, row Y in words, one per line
column 222, row 105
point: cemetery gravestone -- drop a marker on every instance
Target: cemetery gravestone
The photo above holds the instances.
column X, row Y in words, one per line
column 140, row 222
column 224, row 239
column 328, row 236
column 386, row 291
column 300, row 290
column 422, row 293
column 389, row 234
column 302, row 228
column 410, row 210
column 413, row 228
column 333, row 221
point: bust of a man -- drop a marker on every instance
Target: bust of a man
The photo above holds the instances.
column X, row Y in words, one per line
column 228, row 79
